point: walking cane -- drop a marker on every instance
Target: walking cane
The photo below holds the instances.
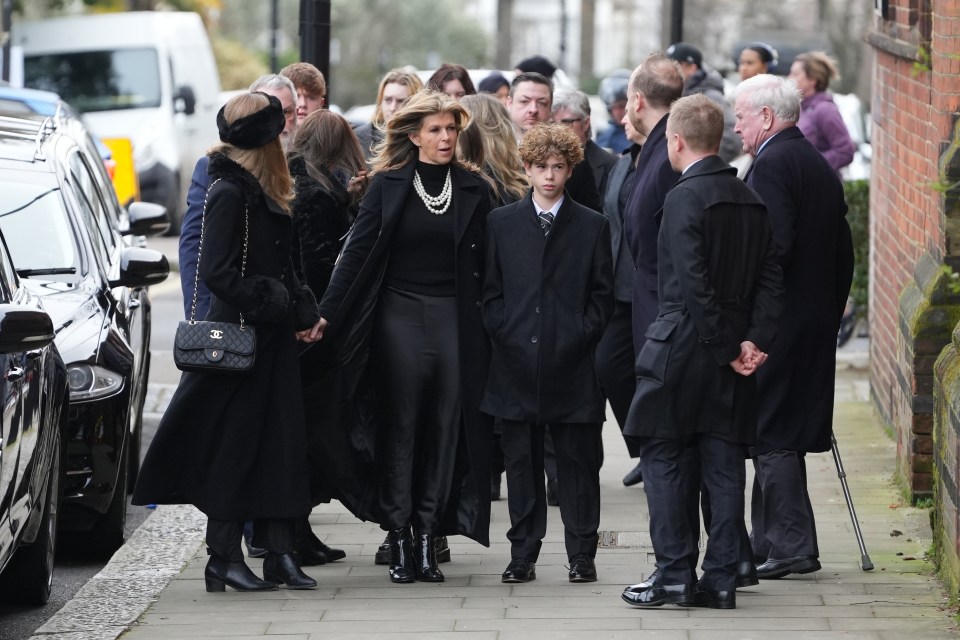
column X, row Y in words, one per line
column 865, row 563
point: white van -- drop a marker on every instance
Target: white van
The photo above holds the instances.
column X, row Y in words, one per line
column 149, row 76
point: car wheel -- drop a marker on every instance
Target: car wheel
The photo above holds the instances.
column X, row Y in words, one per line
column 29, row 576
column 106, row 536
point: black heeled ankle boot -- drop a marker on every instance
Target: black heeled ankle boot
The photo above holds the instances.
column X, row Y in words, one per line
column 427, row 569
column 238, row 575
column 402, row 564
column 282, row 568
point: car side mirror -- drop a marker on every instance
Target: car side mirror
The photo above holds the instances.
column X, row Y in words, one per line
column 186, row 100
column 24, row 329
column 147, row 219
column 141, row 267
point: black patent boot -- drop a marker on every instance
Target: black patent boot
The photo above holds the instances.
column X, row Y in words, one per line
column 402, row 564
column 282, row 568
column 219, row 573
column 427, row 569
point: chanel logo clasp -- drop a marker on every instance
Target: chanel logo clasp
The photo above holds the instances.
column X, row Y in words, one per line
column 216, row 334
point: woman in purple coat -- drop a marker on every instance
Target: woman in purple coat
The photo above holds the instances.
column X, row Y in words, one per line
column 820, row 119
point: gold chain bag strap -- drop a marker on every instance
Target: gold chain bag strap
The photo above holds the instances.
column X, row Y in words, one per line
column 221, row 347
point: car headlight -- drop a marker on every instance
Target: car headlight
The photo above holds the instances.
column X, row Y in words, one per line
column 88, row 382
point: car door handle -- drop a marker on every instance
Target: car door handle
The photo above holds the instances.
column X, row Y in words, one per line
column 14, row 374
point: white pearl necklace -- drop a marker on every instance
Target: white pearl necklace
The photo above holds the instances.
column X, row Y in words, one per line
column 437, row 205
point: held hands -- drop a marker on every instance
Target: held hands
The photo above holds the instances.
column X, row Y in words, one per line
column 314, row 333
column 749, row 360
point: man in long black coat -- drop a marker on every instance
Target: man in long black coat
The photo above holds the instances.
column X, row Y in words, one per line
column 720, row 296
column 806, row 204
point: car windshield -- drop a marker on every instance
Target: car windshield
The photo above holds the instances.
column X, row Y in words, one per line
column 37, row 229
column 98, row 80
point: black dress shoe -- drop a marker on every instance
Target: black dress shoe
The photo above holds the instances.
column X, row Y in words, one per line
column 330, row 553
column 443, row 549
column 238, row 575
column 658, row 594
column 746, row 574
column 713, row 599
column 635, row 476
column 282, row 568
column 307, row 556
column 519, row 570
column 553, row 498
column 773, row 569
column 427, row 569
column 383, row 552
column 253, row 551
column 403, row 565
column 646, row 584
column 582, row 569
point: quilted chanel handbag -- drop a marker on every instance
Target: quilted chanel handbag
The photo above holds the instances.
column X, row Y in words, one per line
column 215, row 347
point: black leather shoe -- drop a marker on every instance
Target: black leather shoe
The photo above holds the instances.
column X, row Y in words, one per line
column 746, row 574
column 658, row 594
column 252, row 551
column 519, row 570
column 553, row 499
column 383, row 552
column 220, row 573
column 329, row 553
column 427, row 569
column 635, row 476
column 282, row 568
column 403, row 566
column 646, row 584
column 582, row 569
column 773, row 569
column 713, row 599
column 443, row 549
column 307, row 556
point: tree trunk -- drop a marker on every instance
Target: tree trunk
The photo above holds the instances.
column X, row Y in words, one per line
column 587, row 32
column 504, row 33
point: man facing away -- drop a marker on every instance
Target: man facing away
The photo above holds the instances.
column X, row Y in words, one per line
column 547, row 296
column 813, row 246
column 720, row 295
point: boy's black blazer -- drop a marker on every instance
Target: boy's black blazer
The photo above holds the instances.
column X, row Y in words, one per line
column 546, row 301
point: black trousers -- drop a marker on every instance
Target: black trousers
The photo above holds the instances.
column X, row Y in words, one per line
column 780, row 511
column 666, row 483
column 419, row 408
column 615, row 366
column 272, row 534
column 577, row 448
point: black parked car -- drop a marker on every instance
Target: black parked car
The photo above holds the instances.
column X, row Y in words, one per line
column 66, row 232
column 33, row 438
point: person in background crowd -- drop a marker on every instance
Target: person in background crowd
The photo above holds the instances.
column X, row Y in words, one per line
column 720, row 298
column 615, row 353
column 820, row 119
column 497, row 85
column 395, row 88
column 311, row 87
column 700, row 77
column 235, row 446
column 453, row 80
column 536, row 64
column 756, row 58
column 613, row 92
column 807, row 211
column 572, row 108
column 323, row 210
column 548, row 253
column 402, row 304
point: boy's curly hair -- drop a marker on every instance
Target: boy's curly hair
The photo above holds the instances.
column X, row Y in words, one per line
column 551, row 139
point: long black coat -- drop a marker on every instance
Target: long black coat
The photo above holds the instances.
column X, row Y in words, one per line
column 349, row 303
column 719, row 285
column 234, row 445
column 807, row 212
column 546, row 302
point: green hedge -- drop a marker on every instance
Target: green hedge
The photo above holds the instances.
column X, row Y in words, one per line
column 858, row 199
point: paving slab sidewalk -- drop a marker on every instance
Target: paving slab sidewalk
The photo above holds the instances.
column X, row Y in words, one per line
column 153, row 588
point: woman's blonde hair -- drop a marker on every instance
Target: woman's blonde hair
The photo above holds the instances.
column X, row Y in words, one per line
column 395, row 76
column 325, row 140
column 495, row 128
column 397, row 149
column 268, row 164
column 819, row 67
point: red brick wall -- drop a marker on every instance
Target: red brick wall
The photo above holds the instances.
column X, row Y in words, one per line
column 916, row 95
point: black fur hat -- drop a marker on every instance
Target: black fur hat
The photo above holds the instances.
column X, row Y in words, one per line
column 254, row 130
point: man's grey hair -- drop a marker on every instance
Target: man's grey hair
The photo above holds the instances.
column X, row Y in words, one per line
column 765, row 90
column 575, row 101
column 275, row 82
